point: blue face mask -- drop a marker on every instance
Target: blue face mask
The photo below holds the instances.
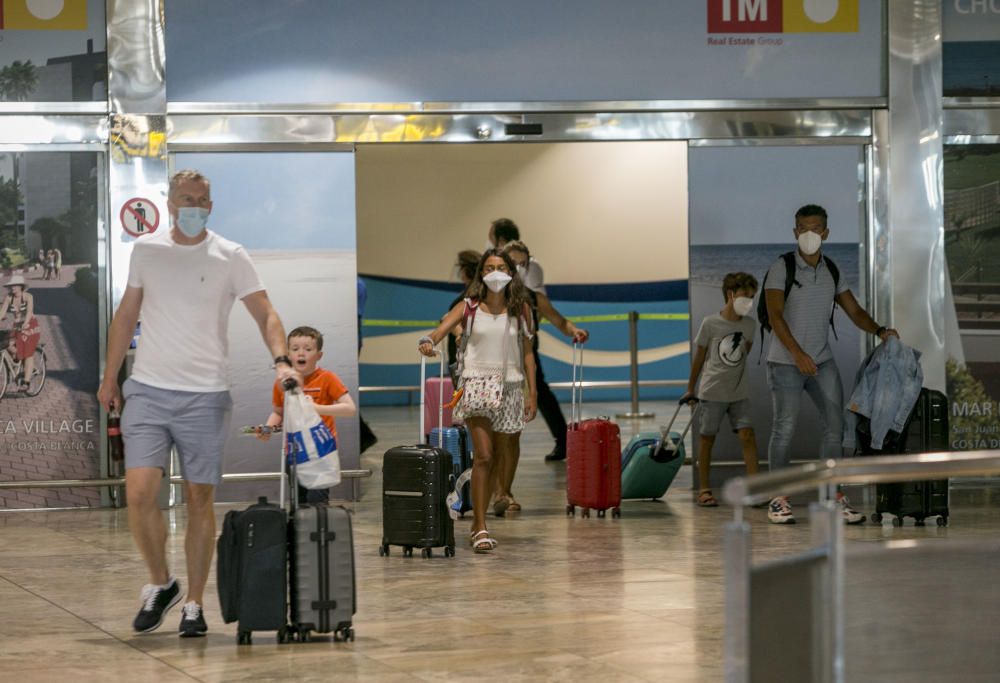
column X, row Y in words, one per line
column 191, row 220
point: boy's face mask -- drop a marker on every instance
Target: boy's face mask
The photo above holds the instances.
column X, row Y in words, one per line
column 742, row 305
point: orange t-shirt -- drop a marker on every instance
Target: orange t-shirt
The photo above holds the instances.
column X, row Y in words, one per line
column 324, row 387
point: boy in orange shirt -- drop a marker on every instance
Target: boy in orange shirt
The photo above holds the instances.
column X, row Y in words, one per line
column 322, row 387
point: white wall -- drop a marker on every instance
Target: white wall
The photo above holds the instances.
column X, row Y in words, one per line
column 589, row 212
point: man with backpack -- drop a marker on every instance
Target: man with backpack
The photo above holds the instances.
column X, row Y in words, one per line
column 800, row 291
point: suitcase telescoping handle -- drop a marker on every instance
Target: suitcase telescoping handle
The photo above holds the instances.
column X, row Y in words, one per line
column 423, row 383
column 576, row 389
column 665, row 451
column 288, row 480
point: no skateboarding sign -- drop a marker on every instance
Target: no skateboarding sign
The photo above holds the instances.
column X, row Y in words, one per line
column 140, row 217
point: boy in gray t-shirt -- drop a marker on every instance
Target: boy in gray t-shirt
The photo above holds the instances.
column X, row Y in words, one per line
column 723, row 343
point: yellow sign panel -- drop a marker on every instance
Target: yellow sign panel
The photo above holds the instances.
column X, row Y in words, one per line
column 820, row 16
column 44, row 15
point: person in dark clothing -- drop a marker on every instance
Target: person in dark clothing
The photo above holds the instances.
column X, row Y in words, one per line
column 367, row 436
column 548, row 404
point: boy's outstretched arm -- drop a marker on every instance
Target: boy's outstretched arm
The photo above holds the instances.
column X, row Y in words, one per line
column 273, row 420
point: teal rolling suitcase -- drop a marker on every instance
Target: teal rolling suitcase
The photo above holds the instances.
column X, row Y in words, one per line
column 651, row 460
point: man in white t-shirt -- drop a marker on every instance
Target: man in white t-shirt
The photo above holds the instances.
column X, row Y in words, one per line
column 183, row 282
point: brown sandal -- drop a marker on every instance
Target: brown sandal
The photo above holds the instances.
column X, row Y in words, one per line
column 707, row 500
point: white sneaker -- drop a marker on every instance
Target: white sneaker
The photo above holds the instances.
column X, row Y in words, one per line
column 850, row 515
column 780, row 512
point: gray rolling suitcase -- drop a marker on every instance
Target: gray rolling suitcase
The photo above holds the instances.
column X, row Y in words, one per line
column 321, row 559
column 322, row 591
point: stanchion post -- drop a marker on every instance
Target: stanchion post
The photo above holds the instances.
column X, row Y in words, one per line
column 633, row 350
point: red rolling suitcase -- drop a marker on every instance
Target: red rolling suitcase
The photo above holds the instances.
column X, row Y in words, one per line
column 593, row 458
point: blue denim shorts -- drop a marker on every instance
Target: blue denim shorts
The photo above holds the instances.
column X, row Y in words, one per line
column 712, row 412
column 196, row 423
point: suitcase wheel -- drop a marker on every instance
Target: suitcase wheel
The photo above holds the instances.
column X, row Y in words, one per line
column 408, row 551
column 600, row 513
column 897, row 521
column 285, row 634
column 585, row 513
column 383, row 550
column 244, row 638
column 570, row 511
column 424, row 552
column 343, row 635
column 616, row 513
column 919, row 522
column 876, row 518
column 449, row 551
column 942, row 520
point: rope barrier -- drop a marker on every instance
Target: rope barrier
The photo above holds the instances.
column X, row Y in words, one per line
column 607, row 318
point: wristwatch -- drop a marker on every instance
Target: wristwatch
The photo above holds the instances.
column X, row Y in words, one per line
column 282, row 359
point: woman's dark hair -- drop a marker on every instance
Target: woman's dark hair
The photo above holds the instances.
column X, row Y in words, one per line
column 516, row 294
column 468, row 260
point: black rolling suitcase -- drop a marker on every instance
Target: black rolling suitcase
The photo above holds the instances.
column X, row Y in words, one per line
column 251, row 570
column 926, row 431
column 416, row 481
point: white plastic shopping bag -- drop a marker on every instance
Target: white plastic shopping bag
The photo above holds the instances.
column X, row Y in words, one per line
column 310, row 445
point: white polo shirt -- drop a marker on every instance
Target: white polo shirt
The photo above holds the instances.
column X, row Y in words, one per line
column 187, row 295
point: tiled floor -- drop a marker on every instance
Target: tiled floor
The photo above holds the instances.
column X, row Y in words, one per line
column 633, row 599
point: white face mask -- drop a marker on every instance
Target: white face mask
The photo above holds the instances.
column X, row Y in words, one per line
column 742, row 305
column 809, row 242
column 191, row 220
column 497, row 280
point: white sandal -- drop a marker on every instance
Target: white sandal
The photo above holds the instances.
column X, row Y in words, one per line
column 482, row 543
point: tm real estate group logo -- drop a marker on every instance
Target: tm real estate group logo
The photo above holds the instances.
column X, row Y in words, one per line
column 771, row 18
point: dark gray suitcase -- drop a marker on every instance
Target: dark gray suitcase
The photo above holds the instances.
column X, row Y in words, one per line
column 323, row 590
column 416, row 481
column 251, row 570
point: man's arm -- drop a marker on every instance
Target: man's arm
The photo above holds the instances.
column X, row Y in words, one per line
column 119, row 338
column 271, row 329
column 860, row 317
column 775, row 299
column 549, row 312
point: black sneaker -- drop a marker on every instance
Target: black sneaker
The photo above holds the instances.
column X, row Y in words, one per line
column 556, row 454
column 156, row 601
column 193, row 621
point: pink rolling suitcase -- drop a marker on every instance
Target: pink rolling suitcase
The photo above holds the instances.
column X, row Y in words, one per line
column 593, row 458
column 433, row 392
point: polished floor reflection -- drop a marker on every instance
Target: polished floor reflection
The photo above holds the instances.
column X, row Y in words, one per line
column 633, row 599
